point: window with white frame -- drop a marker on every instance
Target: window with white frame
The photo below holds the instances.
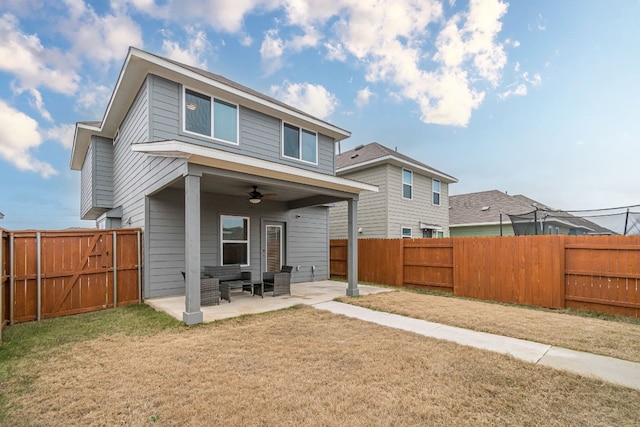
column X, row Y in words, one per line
column 407, row 184
column 299, row 144
column 407, row 233
column 436, row 192
column 210, row 117
column 235, row 240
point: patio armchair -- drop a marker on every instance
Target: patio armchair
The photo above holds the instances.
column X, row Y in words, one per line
column 277, row 281
column 209, row 291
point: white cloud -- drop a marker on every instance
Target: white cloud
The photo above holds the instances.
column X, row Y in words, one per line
column 35, row 100
column 100, row 38
column 246, row 40
column 63, row 134
column 521, row 86
column 363, row 97
column 313, row 99
column 18, row 136
column 33, row 65
column 271, row 51
column 194, row 53
column 92, row 99
column 410, row 45
column 335, row 52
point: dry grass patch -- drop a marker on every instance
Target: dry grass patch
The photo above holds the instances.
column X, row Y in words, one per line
column 605, row 337
column 303, row 367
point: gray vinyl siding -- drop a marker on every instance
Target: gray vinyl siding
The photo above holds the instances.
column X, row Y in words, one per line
column 409, row 213
column 86, row 185
column 259, row 134
column 96, row 179
column 134, row 173
column 166, row 254
column 306, row 242
column 103, row 171
column 373, row 214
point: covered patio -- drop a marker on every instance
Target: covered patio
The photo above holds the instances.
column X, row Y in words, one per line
column 308, row 293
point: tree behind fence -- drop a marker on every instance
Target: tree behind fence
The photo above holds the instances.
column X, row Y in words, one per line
column 599, row 273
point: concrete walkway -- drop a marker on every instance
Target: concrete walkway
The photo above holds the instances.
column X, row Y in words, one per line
column 322, row 293
column 616, row 371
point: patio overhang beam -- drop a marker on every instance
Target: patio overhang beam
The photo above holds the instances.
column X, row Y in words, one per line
column 212, row 157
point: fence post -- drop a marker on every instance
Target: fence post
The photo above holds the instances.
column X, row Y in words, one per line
column 12, row 279
column 115, row 269
column 1, row 282
column 39, row 276
column 139, row 269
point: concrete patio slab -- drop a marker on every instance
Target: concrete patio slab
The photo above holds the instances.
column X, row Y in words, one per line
column 242, row 303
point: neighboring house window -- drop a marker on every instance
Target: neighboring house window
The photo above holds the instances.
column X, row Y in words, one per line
column 300, row 144
column 439, row 234
column 436, row 192
column 407, row 184
column 210, row 117
column 235, row 239
column 406, row 232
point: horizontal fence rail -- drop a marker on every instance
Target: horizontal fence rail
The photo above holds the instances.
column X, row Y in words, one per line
column 598, row 273
column 47, row 274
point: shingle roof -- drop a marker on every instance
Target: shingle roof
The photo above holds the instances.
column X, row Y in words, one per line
column 373, row 151
column 484, row 208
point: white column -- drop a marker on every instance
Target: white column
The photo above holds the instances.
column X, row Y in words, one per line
column 352, row 248
column 192, row 313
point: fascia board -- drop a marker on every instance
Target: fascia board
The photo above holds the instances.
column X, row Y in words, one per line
column 398, row 162
column 212, row 157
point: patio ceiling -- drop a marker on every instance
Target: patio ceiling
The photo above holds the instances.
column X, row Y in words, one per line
column 234, row 174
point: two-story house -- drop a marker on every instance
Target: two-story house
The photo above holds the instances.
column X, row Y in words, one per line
column 214, row 173
column 412, row 201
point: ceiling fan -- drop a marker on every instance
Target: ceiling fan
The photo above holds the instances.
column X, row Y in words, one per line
column 255, row 196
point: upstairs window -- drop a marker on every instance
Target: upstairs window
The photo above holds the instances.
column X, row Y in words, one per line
column 407, row 184
column 210, row 117
column 299, row 144
column 436, row 192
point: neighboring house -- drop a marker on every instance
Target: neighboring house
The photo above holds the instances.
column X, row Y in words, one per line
column 214, row 173
column 412, row 201
column 490, row 213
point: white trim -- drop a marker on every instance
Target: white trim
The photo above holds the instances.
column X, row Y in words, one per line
column 248, row 241
column 402, row 228
column 439, row 192
column 300, row 130
column 209, row 156
column 403, row 183
column 266, row 249
column 404, row 163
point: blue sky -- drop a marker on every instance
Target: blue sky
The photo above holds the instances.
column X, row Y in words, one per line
column 539, row 98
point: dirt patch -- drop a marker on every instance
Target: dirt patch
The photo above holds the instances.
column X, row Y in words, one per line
column 304, row 367
column 608, row 338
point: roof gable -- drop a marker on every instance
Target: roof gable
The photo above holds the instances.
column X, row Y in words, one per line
column 373, row 154
column 139, row 64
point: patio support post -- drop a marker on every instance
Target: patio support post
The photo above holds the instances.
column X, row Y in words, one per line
column 192, row 313
column 352, row 248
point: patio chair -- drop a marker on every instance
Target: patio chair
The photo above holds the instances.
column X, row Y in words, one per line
column 278, row 281
column 209, row 292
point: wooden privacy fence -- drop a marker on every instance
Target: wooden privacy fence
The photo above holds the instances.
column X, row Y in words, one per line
column 598, row 273
column 55, row 273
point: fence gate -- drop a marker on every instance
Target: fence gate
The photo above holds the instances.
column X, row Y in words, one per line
column 57, row 273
